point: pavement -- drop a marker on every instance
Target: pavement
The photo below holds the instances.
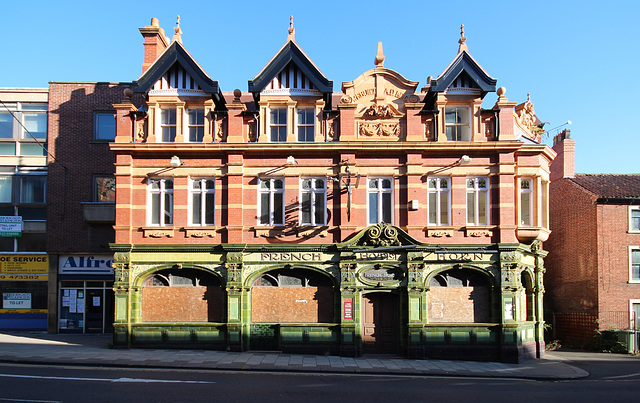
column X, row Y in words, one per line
column 95, row 350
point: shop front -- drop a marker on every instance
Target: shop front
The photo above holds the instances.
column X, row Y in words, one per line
column 23, row 285
column 85, row 294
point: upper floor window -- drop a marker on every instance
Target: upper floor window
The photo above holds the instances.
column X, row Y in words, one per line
column 526, row 202
column 306, row 124
column 23, row 129
column 33, row 189
column 24, row 195
column 104, row 126
column 161, row 202
column 196, row 125
column 168, row 125
column 634, row 264
column 634, row 219
column 313, row 194
column 477, row 201
column 104, row 188
column 202, row 202
column 457, row 124
column 439, row 201
column 380, row 195
column 278, row 124
column 271, row 195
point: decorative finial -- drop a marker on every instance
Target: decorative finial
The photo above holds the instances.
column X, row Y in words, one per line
column 292, row 30
column 528, row 97
column 379, row 60
column 461, row 41
column 177, row 36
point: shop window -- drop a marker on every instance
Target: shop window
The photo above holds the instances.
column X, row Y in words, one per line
column 634, row 219
column 271, row 195
column 526, row 202
column 292, row 296
column 168, row 125
column 457, row 124
column 313, row 196
column 477, row 201
column 634, row 264
column 278, row 124
column 29, row 295
column 306, row 124
column 104, row 188
column 104, row 126
column 439, row 201
column 202, row 201
column 380, row 197
column 196, row 125
column 459, row 296
column 161, row 202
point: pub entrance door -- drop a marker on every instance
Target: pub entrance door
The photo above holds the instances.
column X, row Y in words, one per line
column 380, row 323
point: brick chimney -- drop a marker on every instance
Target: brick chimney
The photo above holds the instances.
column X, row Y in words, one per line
column 155, row 42
column 563, row 165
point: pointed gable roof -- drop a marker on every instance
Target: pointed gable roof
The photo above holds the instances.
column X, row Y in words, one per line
column 174, row 55
column 464, row 63
column 290, row 53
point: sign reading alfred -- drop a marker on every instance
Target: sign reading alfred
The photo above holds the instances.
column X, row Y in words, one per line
column 86, row 264
column 10, row 226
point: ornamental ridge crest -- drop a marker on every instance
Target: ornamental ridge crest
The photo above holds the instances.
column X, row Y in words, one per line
column 381, row 234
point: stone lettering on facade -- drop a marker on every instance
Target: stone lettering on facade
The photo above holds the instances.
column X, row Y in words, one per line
column 291, row 256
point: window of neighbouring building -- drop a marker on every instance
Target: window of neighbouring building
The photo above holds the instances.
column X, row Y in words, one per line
column 439, row 201
column 457, row 124
column 278, row 124
column 380, row 197
column 313, row 196
column 202, row 201
column 271, row 195
column 104, row 126
column 196, row 125
column 168, row 125
column 634, row 308
column 104, row 188
column 526, row 202
column 23, row 129
column 161, row 202
column 478, row 201
column 634, row 264
column 306, row 124
column 634, row 219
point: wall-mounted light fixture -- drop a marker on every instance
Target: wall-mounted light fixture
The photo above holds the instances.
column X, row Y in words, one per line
column 464, row 160
column 291, row 161
column 175, row 161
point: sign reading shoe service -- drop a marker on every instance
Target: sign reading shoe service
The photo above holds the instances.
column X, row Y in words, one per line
column 86, row 264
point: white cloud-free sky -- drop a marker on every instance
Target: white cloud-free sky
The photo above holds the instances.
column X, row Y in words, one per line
column 578, row 59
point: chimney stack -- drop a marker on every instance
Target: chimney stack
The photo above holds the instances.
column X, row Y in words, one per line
column 563, row 165
column 155, row 42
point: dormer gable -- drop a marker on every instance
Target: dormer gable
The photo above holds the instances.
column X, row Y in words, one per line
column 291, row 72
column 176, row 73
column 464, row 75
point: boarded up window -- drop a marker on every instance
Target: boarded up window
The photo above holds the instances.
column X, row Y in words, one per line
column 292, row 296
column 182, row 295
column 459, row 296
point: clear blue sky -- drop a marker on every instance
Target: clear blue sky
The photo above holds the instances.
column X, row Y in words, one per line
column 578, row 59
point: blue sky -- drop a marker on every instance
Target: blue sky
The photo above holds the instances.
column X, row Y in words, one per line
column 575, row 58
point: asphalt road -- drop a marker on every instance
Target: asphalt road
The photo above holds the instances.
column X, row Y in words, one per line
column 38, row 383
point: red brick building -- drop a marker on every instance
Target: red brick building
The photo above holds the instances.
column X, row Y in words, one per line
column 593, row 267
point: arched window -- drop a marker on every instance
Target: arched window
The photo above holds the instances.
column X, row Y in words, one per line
column 182, row 295
column 292, row 296
column 527, row 297
column 459, row 296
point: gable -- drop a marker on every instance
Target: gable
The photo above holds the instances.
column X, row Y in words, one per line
column 381, row 235
column 464, row 72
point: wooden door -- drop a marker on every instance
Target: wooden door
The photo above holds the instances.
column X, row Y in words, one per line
column 380, row 323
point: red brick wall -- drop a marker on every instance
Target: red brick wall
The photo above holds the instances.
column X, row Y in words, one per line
column 291, row 305
column 182, row 304
column 459, row 304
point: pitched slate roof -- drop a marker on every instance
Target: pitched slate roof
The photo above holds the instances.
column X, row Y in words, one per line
column 611, row 188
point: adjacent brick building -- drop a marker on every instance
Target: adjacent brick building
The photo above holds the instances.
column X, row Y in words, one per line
column 593, row 267
column 382, row 218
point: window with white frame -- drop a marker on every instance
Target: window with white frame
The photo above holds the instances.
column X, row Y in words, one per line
column 202, row 201
column 313, row 196
column 634, row 219
column 306, row 124
column 439, row 201
column 196, row 125
column 526, row 202
column 457, row 124
column 478, row 201
column 634, row 311
column 278, row 124
column 168, row 125
column 634, row 264
column 161, row 202
column 380, row 196
column 104, row 126
column 23, row 129
column 271, row 195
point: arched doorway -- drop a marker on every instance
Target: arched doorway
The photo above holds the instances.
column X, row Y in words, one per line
column 380, row 321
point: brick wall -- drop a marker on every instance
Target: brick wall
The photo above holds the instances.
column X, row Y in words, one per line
column 292, row 305
column 183, row 304
column 459, row 304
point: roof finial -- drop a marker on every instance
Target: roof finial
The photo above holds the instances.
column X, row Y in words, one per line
column 292, row 30
column 528, row 97
column 177, row 36
column 461, row 41
column 379, row 60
